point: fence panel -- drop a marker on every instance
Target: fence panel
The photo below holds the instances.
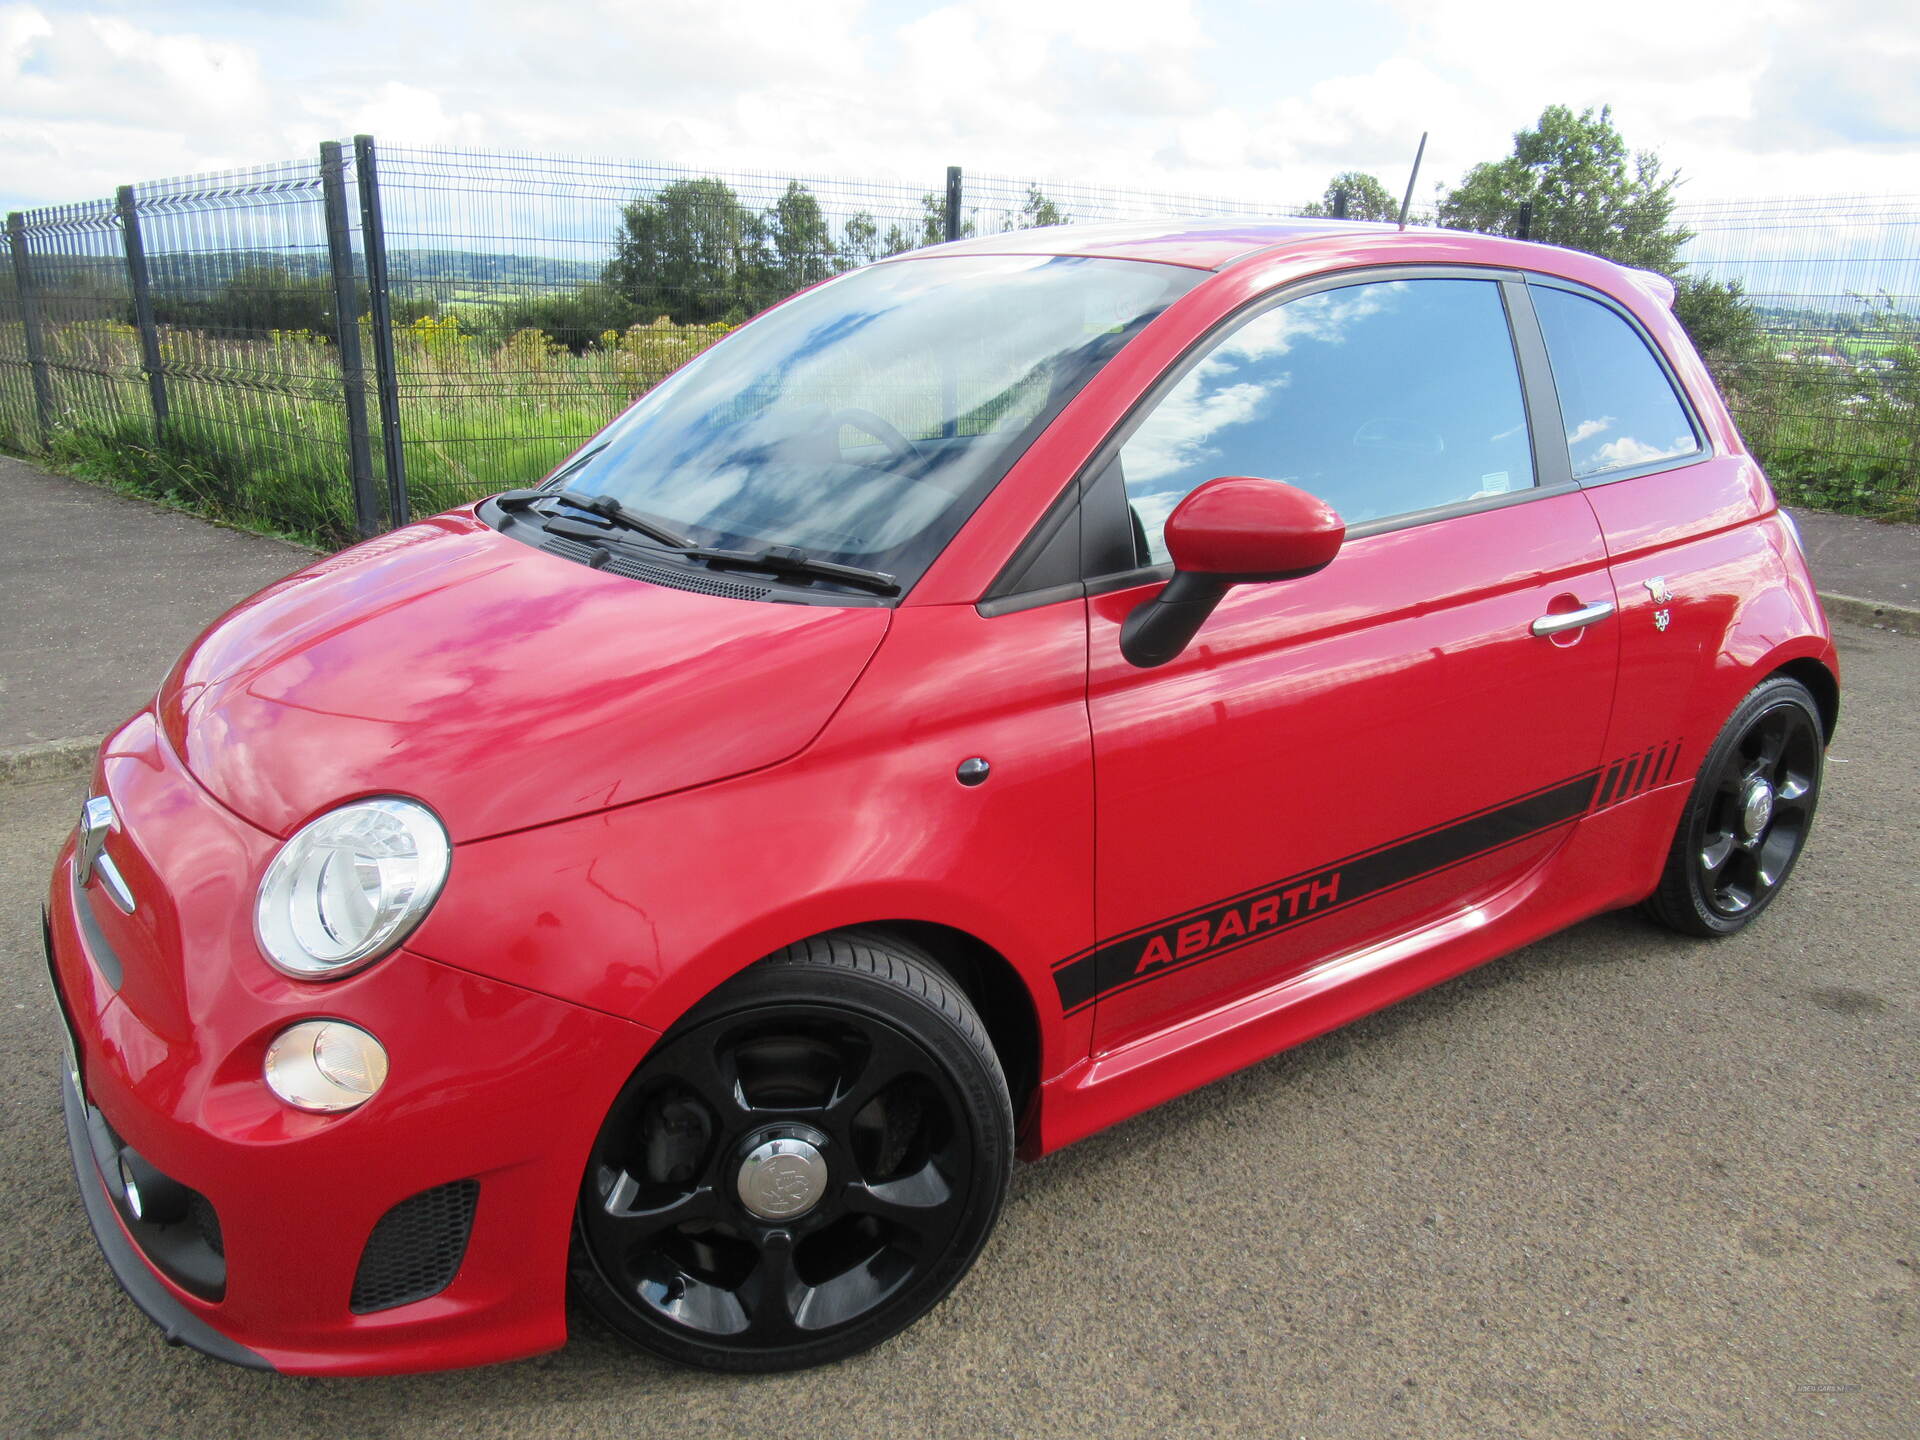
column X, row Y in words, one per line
column 1828, row 390
column 19, row 430
column 534, row 297
column 528, row 299
column 77, row 291
column 243, row 294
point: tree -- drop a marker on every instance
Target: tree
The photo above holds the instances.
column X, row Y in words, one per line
column 803, row 249
column 1717, row 315
column 1037, row 210
column 859, row 241
column 256, row 301
column 572, row 318
column 1586, row 190
column 1367, row 198
column 692, row 252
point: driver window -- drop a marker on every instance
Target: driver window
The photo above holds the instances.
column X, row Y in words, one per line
column 1380, row 398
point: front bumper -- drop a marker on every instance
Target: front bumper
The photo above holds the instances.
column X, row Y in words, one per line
column 153, row 1295
column 494, row 1089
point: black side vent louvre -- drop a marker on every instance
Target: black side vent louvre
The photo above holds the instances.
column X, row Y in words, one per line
column 416, row 1249
column 669, row 575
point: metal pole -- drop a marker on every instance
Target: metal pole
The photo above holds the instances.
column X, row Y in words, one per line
column 953, row 202
column 138, row 282
column 1340, row 203
column 30, row 322
column 346, row 318
column 373, row 235
column 1523, row 225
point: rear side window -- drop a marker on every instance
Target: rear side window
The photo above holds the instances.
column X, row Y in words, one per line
column 1380, row 398
column 1616, row 402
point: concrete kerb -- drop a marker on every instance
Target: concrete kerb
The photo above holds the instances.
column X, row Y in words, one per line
column 48, row 760
column 58, row 759
column 1900, row 619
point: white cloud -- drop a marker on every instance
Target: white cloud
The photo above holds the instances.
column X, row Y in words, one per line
column 1187, row 96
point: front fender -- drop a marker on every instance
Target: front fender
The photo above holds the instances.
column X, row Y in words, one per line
column 641, row 911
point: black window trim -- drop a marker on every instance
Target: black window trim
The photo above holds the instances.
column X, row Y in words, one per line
column 1552, row 469
column 1701, row 434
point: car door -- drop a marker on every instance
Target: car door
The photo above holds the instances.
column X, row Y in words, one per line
column 1339, row 759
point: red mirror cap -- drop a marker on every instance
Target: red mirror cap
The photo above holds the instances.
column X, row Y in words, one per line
column 1246, row 528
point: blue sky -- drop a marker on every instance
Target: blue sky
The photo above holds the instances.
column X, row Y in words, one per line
column 1747, row 97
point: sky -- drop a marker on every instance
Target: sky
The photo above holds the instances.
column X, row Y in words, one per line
column 1747, row 98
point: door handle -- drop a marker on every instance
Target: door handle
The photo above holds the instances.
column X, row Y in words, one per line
column 1573, row 619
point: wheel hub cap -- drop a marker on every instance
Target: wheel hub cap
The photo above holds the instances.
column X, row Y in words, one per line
column 1756, row 808
column 782, row 1178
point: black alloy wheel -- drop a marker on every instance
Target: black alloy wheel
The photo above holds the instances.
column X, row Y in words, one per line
column 800, row 1169
column 1748, row 816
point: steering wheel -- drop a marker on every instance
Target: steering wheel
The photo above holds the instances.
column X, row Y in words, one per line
column 882, row 430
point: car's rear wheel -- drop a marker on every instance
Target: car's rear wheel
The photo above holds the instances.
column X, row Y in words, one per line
column 1748, row 816
column 803, row 1167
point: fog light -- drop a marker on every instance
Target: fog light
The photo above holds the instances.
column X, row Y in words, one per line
column 325, row 1065
column 150, row 1195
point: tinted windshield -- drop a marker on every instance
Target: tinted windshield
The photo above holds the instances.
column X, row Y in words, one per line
column 866, row 419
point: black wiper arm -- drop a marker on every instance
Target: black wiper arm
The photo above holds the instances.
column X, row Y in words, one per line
column 521, row 499
column 610, row 509
column 791, row 560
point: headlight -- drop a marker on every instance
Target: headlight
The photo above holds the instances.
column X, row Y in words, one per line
column 349, row 887
column 325, row 1065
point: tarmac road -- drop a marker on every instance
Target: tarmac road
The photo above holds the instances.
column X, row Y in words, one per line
column 1618, row 1184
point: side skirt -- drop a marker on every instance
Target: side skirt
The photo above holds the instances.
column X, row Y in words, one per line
column 1612, row 859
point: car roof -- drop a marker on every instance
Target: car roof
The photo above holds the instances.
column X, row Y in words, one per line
column 1214, row 244
column 1202, row 244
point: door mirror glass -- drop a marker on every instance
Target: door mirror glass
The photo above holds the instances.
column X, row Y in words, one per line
column 1235, row 530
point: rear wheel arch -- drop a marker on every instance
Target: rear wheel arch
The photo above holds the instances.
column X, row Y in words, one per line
column 1822, row 684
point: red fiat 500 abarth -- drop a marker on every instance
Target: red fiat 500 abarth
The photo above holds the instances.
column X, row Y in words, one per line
column 994, row 691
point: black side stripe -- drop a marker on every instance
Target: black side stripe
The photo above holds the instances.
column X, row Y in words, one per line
column 1134, row 959
column 1206, row 933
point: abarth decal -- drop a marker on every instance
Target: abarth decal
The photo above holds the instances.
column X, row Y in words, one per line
column 1205, row 934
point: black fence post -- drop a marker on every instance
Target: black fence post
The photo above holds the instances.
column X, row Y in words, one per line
column 373, row 235
column 1523, row 222
column 953, row 202
column 1340, row 203
column 30, row 322
column 139, row 284
column 346, row 315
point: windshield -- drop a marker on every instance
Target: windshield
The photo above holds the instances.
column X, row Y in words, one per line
column 865, row 420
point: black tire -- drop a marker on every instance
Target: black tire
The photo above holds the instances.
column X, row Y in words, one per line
column 864, row 1061
column 1720, row 873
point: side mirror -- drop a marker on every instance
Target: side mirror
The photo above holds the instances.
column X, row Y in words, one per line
column 1237, row 530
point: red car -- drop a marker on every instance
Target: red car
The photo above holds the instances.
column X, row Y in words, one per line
column 993, row 692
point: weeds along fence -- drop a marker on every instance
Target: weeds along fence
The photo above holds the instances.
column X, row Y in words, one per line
column 331, row 346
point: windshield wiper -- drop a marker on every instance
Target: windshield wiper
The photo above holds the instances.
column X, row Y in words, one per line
column 791, row 560
column 611, row 514
column 612, row 511
column 513, row 500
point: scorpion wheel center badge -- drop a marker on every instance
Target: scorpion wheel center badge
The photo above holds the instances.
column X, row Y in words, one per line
column 782, row 1178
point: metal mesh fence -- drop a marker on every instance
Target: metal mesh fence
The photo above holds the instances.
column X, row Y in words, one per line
column 534, row 298
column 500, row 308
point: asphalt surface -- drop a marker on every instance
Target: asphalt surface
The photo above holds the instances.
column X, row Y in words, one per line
column 102, row 592
column 1868, row 559
column 1618, row 1184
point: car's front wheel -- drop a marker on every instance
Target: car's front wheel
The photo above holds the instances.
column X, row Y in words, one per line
column 1748, row 815
column 801, row 1168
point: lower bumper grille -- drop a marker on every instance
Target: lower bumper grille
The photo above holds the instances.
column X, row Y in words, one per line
column 417, row 1247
